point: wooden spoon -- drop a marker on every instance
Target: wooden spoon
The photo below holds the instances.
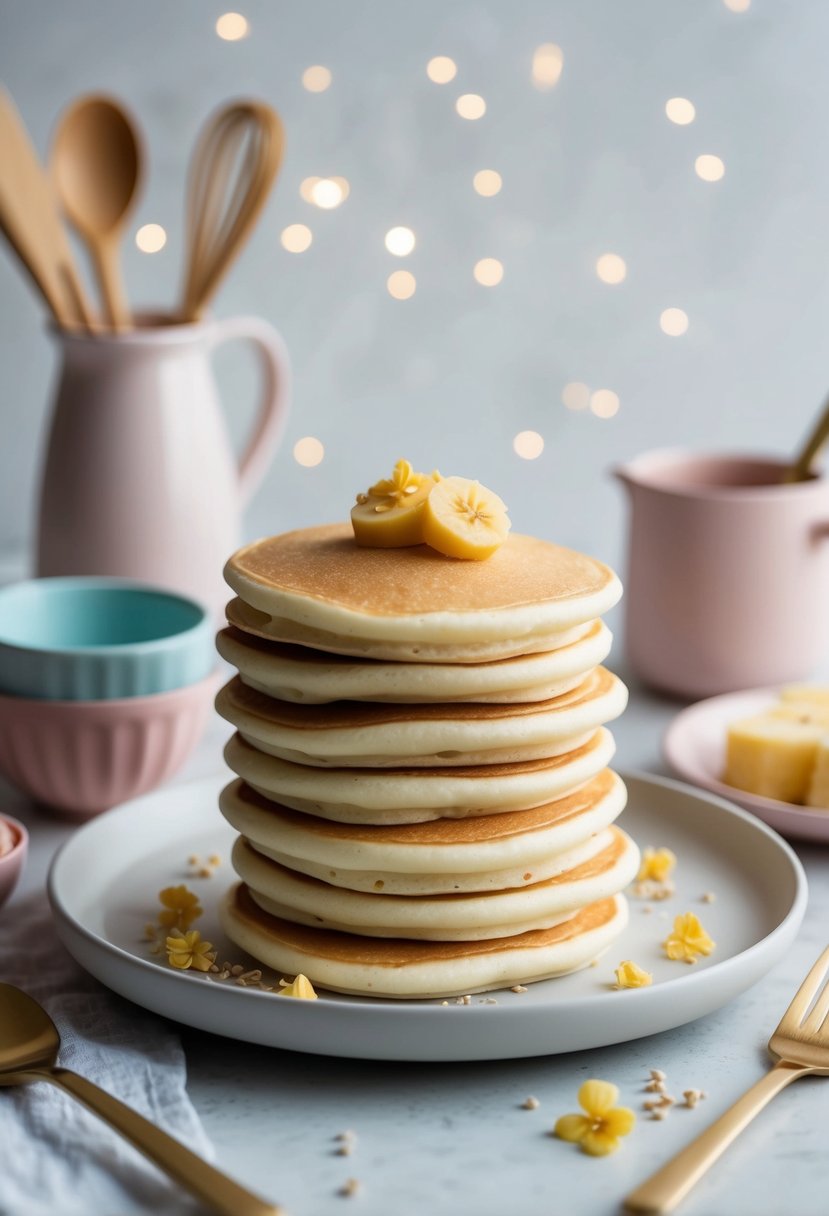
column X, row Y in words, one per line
column 801, row 469
column 233, row 169
column 96, row 163
column 29, row 1045
column 30, row 220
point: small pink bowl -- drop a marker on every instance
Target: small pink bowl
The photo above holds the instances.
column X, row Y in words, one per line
column 11, row 863
column 83, row 757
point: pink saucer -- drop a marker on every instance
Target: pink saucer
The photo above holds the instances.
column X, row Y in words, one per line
column 12, row 861
column 694, row 746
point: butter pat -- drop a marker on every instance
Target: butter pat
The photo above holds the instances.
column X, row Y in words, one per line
column 772, row 756
column 818, row 794
column 806, row 694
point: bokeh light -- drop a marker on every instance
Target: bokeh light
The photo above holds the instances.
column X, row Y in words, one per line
column 487, row 182
column 576, row 395
column 401, row 284
column 232, row 26
column 680, row 110
column 674, row 322
column 308, row 451
column 548, row 61
column 150, row 238
column 400, row 241
column 528, row 445
column 604, row 403
column 488, row 272
column 441, row 69
column 709, row 168
column 316, row 79
column 328, row 193
column 296, row 238
column 611, row 268
column 471, row 106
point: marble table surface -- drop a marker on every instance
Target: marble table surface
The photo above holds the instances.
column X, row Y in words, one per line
column 449, row 1140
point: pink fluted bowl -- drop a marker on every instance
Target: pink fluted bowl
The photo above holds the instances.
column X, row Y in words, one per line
column 83, row 757
column 14, row 842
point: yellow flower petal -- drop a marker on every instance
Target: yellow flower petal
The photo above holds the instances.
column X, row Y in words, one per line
column 599, row 1143
column 596, row 1097
column 301, row 988
column 630, row 975
column 688, row 938
column 619, row 1122
column 181, row 960
column 572, row 1128
column 657, row 865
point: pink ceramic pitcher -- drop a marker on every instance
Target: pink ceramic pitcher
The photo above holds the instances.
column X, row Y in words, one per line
column 139, row 478
column 728, row 572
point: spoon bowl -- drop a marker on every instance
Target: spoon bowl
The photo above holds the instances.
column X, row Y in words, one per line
column 29, row 1045
column 97, row 166
column 28, row 1036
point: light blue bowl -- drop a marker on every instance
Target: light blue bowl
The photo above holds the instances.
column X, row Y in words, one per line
column 96, row 639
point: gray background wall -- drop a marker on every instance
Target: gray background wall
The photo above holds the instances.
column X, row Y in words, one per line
column 448, row 377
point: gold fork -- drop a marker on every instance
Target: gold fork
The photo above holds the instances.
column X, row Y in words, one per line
column 801, row 1045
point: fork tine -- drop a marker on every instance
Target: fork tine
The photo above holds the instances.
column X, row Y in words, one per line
column 817, row 1017
column 793, row 1016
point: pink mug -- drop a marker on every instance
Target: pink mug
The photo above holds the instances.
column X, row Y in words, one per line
column 140, row 480
column 728, row 572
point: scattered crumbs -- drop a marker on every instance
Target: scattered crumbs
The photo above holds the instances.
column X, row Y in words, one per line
column 594, row 962
column 518, row 988
column 708, row 897
column 444, row 1002
column 530, row 1103
column 248, row 978
column 658, row 1075
column 350, row 1187
column 650, row 889
column 214, row 967
column 488, row 1000
column 214, row 860
column 463, row 1000
column 664, row 1103
column 236, row 969
column 648, row 909
column 692, row 1097
column 659, row 1112
column 149, row 931
column 193, row 859
column 346, row 1143
column 156, row 949
column 655, row 1086
column 204, row 872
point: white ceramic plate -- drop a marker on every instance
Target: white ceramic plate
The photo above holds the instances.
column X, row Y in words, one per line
column 104, row 882
column 694, row 746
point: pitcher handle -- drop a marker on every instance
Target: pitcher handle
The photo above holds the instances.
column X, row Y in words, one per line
column 275, row 400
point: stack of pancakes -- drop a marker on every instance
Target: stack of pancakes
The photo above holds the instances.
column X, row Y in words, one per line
column 423, row 798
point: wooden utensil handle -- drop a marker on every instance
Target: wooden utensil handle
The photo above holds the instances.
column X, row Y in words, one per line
column 208, row 1184
column 669, row 1186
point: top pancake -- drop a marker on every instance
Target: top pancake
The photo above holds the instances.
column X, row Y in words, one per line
column 319, row 577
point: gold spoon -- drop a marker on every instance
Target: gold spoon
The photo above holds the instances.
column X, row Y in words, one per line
column 801, row 469
column 29, row 1044
column 96, row 164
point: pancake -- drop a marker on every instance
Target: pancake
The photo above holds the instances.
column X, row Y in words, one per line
column 279, row 629
column 491, row 852
column 321, row 579
column 311, row 677
column 359, row 735
column 412, row 795
column 364, row 966
column 451, row 917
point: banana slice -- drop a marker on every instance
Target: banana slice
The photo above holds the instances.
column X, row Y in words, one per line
column 390, row 515
column 464, row 519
